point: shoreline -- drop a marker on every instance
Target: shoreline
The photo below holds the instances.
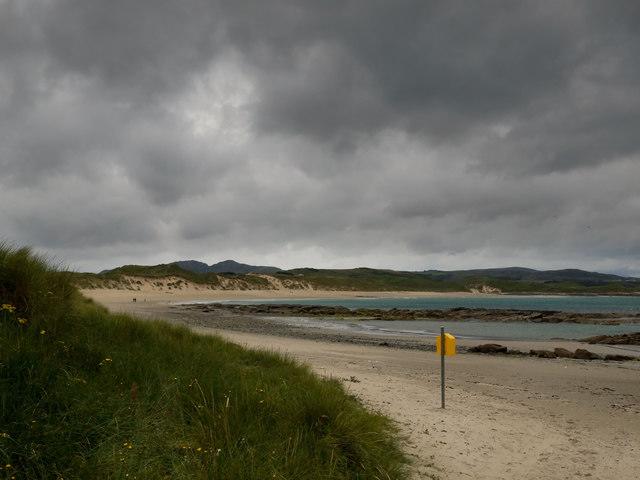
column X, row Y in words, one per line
column 225, row 321
column 164, row 305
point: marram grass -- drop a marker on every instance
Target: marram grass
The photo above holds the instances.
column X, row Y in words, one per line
column 89, row 395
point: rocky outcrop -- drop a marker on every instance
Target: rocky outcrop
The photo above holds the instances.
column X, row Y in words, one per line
column 622, row 339
column 543, row 353
column 453, row 314
column 488, row 348
column 563, row 353
column 583, row 354
column 515, row 352
column 619, row 358
column 580, row 354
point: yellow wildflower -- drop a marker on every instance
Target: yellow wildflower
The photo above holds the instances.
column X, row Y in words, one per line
column 22, row 321
column 8, row 307
column 42, row 332
column 199, row 449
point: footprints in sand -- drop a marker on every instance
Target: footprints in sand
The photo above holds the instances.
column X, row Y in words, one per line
column 487, row 435
column 628, row 408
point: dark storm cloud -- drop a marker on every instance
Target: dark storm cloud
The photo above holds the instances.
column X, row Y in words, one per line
column 69, row 212
column 408, row 134
column 139, row 49
column 560, row 77
column 595, row 118
column 435, row 68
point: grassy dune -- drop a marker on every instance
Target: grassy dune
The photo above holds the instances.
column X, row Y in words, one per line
column 117, row 278
column 513, row 281
column 86, row 394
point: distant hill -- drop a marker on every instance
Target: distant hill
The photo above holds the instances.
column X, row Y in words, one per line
column 231, row 266
column 513, row 280
column 193, row 266
column 531, row 275
column 226, row 266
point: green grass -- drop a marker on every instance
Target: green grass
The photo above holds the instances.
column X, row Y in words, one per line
column 86, row 394
column 369, row 279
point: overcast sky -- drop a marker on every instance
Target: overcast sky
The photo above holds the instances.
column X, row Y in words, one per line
column 404, row 134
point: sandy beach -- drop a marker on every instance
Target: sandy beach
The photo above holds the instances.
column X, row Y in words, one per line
column 506, row 417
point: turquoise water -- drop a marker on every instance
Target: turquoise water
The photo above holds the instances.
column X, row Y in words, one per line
column 562, row 303
column 499, row 330
column 468, row 329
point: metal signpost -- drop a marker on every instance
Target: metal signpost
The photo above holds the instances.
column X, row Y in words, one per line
column 445, row 346
column 442, row 351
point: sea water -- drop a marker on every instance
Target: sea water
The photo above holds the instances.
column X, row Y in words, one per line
column 472, row 328
column 499, row 330
column 466, row 329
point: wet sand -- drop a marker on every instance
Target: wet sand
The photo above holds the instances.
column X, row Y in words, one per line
column 506, row 417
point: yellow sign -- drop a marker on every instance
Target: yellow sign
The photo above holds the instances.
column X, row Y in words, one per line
column 449, row 344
